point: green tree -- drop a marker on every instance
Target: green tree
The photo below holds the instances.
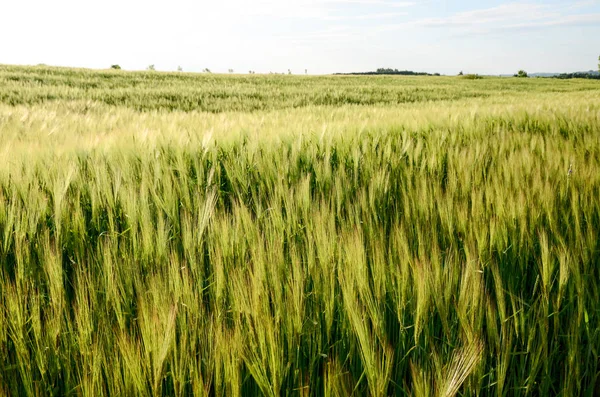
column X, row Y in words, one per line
column 116, row 67
column 151, row 68
column 521, row 73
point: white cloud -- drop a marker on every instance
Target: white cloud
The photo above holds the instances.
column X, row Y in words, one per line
column 318, row 9
column 515, row 15
column 569, row 20
column 505, row 12
column 397, row 4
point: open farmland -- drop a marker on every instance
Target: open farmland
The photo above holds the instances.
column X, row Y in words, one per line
column 183, row 234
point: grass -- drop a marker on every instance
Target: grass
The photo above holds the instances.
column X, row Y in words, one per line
column 179, row 234
column 471, row 77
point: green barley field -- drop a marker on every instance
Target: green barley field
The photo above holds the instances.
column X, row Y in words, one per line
column 175, row 234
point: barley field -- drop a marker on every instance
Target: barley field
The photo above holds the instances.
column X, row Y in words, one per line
column 175, row 234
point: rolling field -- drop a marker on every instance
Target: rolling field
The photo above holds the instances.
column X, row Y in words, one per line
column 183, row 234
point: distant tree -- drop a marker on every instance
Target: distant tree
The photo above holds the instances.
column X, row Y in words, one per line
column 461, row 73
column 306, row 70
column 151, row 68
column 179, row 69
column 581, row 75
column 521, row 73
column 390, row 71
column 116, row 67
column 206, row 70
column 230, row 70
column 289, row 71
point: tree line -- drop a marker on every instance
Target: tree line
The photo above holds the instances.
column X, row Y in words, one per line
column 390, row 71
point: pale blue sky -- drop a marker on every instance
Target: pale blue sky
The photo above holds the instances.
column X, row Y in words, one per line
column 323, row 36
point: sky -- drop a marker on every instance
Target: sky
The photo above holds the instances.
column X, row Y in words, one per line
column 318, row 36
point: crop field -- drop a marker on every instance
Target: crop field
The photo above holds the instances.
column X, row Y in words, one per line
column 177, row 234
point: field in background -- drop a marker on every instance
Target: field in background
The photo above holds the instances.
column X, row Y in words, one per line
column 178, row 234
